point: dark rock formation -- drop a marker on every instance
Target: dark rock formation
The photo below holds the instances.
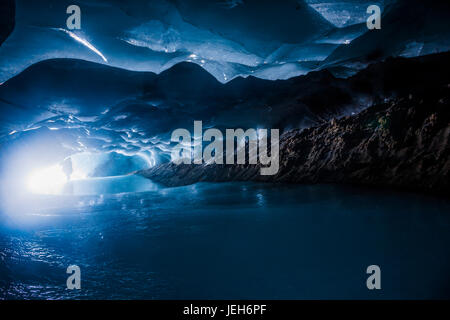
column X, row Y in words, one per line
column 400, row 143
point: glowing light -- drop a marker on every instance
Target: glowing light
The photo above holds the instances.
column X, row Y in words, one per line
column 49, row 180
column 83, row 42
column 78, row 175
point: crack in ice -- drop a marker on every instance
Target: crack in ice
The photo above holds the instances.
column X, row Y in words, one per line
column 83, row 42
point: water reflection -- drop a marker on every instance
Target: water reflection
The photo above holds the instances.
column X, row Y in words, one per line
column 216, row 241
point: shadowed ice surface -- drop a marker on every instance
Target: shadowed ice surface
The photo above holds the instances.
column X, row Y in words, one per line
column 234, row 240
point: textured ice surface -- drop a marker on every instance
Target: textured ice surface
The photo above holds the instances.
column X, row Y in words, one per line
column 227, row 38
column 343, row 13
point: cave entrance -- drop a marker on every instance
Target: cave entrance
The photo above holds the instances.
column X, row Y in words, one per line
column 92, row 174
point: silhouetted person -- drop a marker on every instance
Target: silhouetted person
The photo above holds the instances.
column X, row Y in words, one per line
column 67, row 167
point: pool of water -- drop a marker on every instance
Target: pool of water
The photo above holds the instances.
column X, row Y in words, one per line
column 228, row 241
column 109, row 185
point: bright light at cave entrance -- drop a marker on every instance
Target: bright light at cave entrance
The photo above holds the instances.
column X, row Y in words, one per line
column 49, row 180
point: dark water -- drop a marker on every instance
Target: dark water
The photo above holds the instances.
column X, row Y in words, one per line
column 233, row 241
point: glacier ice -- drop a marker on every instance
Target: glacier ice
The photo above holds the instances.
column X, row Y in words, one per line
column 227, row 38
column 342, row 13
column 109, row 112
